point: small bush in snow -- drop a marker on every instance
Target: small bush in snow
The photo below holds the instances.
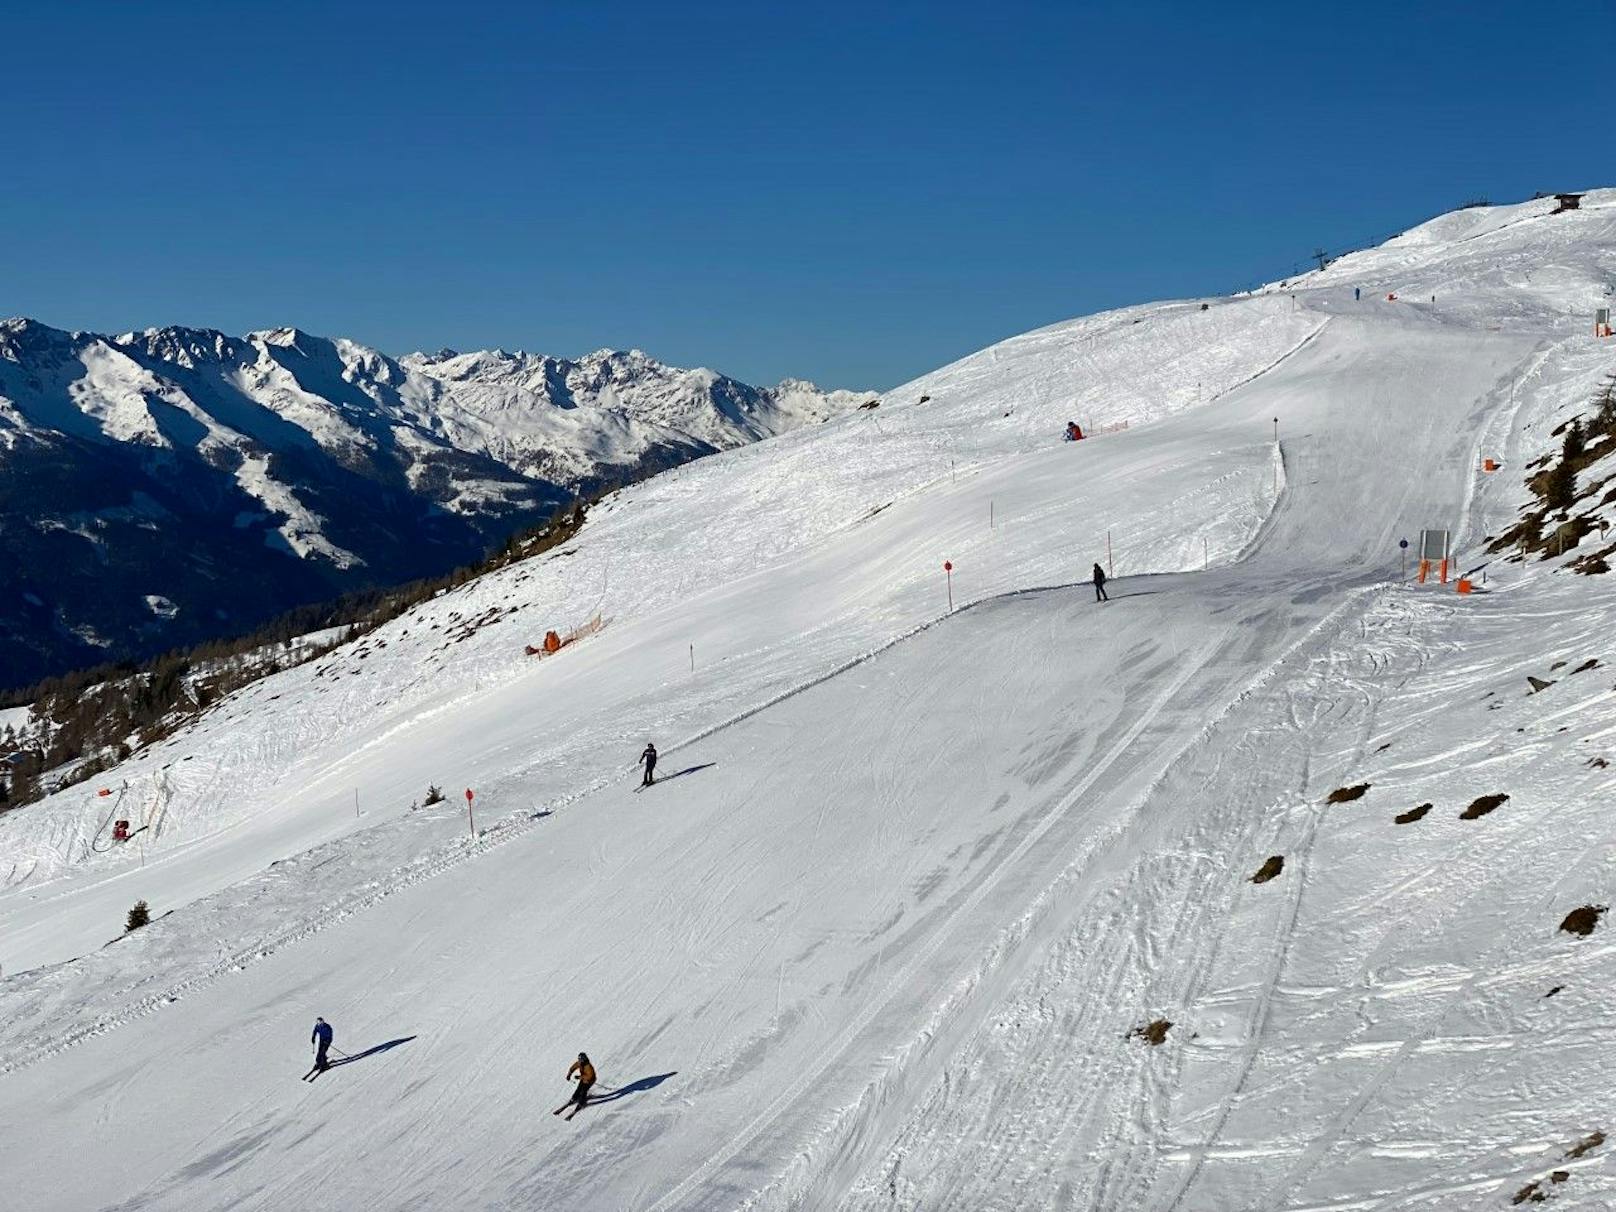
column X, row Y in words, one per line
column 434, row 795
column 1153, row 1033
column 1581, row 922
column 1482, row 805
column 1342, row 795
column 138, row 917
column 1270, row 869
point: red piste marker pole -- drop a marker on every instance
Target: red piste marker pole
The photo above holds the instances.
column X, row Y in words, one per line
column 948, row 571
column 469, row 821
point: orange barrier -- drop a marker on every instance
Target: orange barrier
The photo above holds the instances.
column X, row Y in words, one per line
column 554, row 642
column 1425, row 568
column 1489, row 465
column 1464, row 585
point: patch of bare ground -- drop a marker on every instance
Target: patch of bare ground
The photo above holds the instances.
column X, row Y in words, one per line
column 1412, row 815
column 1586, row 1145
column 1482, row 805
column 1153, row 1033
column 1272, row 867
column 1582, row 921
column 1344, row 795
column 1533, row 1192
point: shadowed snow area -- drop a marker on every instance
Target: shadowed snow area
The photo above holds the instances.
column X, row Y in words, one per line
column 883, row 934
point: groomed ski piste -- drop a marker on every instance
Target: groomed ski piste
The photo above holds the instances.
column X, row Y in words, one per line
column 885, row 932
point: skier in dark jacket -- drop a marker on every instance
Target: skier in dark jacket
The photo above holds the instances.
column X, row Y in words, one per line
column 648, row 760
column 1099, row 585
column 321, row 1039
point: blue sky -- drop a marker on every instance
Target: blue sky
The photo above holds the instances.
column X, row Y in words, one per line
column 854, row 193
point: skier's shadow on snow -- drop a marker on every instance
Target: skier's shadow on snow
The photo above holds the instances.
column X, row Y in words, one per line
column 679, row 774
column 639, row 1087
column 359, row 1056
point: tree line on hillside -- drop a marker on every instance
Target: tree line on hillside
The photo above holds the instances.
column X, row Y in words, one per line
column 89, row 720
column 1551, row 527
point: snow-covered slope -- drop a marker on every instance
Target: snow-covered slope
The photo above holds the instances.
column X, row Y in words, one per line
column 186, row 464
column 881, row 940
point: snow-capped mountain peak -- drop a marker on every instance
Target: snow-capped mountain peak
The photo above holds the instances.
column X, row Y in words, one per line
column 351, row 462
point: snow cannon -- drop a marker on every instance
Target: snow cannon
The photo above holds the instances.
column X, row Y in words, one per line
column 552, row 642
column 105, row 791
column 1489, row 464
column 120, row 831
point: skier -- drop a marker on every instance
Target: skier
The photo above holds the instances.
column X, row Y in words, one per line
column 1357, row 293
column 585, row 1072
column 648, row 760
column 321, row 1039
column 1099, row 585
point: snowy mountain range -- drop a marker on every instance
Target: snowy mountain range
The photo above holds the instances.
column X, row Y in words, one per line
column 160, row 487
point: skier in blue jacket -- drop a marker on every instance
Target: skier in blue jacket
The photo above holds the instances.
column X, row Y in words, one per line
column 321, row 1039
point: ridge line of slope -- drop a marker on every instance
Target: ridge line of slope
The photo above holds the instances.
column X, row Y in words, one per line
column 1277, row 362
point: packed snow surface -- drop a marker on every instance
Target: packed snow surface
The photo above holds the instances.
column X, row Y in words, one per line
column 882, row 935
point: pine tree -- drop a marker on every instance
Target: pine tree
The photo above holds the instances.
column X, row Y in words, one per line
column 138, row 917
column 1605, row 418
column 1560, row 485
column 1574, row 444
column 1560, row 488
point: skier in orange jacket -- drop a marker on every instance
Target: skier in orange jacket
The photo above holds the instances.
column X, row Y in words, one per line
column 585, row 1073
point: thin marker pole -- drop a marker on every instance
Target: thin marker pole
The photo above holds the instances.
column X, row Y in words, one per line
column 1110, row 568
